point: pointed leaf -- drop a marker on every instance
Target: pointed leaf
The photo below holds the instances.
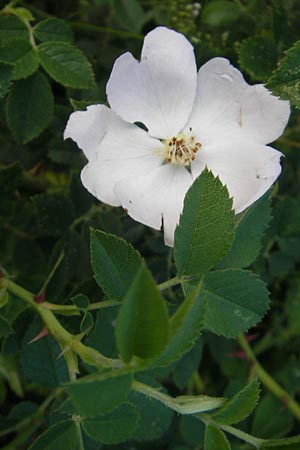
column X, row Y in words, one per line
column 53, row 29
column 99, row 394
column 285, row 80
column 115, row 263
column 215, row 439
column 6, row 77
column 66, row 64
column 248, row 235
column 22, row 55
column 185, row 327
column 114, row 427
column 240, row 406
column 142, row 324
column 30, row 107
column 12, row 27
column 206, row 228
column 236, row 301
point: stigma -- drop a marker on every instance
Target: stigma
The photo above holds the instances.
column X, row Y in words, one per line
column 181, row 149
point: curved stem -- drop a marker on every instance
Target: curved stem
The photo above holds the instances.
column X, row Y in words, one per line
column 181, row 404
column 169, row 283
column 99, row 29
column 246, row 437
column 68, row 342
column 268, row 381
column 74, row 310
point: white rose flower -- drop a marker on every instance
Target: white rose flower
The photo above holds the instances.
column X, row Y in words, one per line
column 213, row 118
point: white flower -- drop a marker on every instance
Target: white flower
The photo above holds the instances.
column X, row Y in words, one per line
column 213, row 118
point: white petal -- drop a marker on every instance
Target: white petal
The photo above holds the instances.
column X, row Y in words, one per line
column 156, row 196
column 158, row 91
column 216, row 107
column 226, row 106
column 124, row 151
column 87, row 128
column 248, row 169
column 263, row 116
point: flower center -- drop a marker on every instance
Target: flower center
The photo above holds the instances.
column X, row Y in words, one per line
column 181, row 149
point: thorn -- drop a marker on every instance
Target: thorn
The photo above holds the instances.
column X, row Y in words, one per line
column 240, row 354
column 44, row 332
column 65, row 350
column 251, row 337
column 40, row 297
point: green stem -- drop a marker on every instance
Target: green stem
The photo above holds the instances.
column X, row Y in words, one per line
column 98, row 29
column 181, row 404
column 29, row 424
column 290, row 142
column 169, row 283
column 67, row 341
column 207, row 420
column 268, row 381
column 74, row 310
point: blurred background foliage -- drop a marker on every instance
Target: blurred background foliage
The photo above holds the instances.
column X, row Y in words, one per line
column 56, row 56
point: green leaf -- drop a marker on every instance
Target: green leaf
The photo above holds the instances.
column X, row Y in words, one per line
column 285, row 81
column 191, row 430
column 112, row 428
column 66, row 65
column 115, row 263
column 6, row 77
column 248, row 235
column 53, row 29
column 206, row 228
column 279, row 19
column 22, row 55
column 99, row 394
column 215, row 439
column 155, row 418
column 142, row 325
column 29, row 107
column 40, row 360
column 185, row 327
column 240, row 406
column 271, row 420
column 130, row 14
column 54, row 212
column 3, row 291
column 236, row 301
column 187, row 365
column 23, row 13
column 62, row 435
column 5, row 328
column 258, row 56
column 291, row 443
column 12, row 27
column 220, row 13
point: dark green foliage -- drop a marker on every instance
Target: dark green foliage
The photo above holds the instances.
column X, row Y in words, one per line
column 115, row 263
column 258, row 56
column 97, row 395
column 285, row 81
column 206, row 227
column 29, row 107
column 171, row 374
column 236, row 300
column 142, row 327
column 66, row 64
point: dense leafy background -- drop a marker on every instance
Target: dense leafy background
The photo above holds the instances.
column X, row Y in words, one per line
column 45, row 221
